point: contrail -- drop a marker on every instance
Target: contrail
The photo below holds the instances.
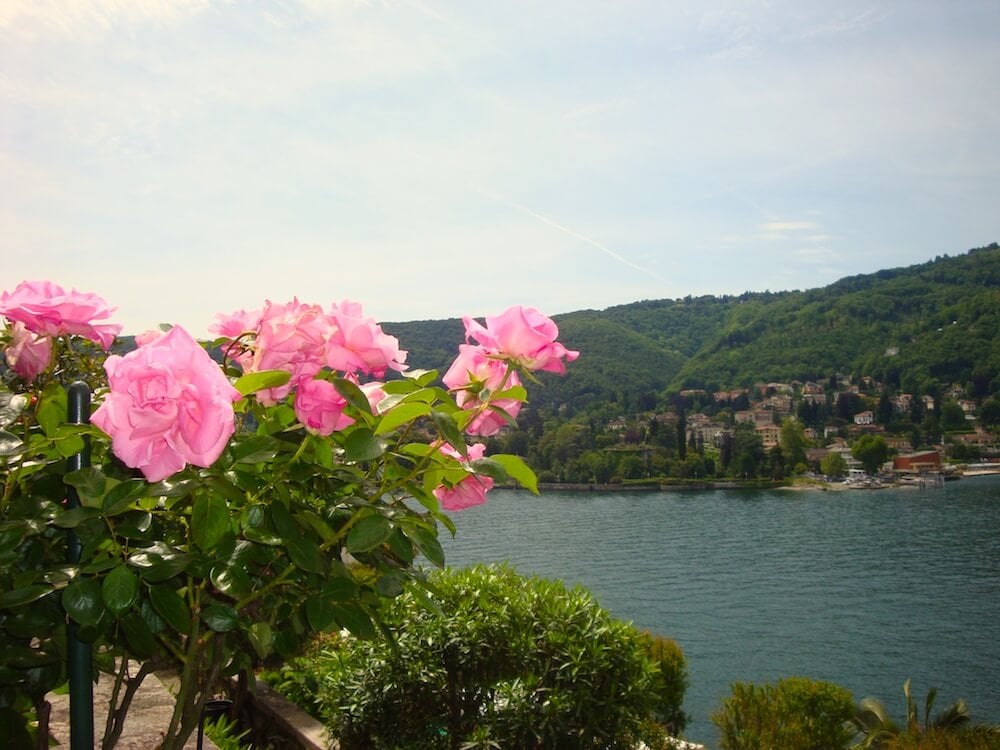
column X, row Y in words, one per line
column 567, row 230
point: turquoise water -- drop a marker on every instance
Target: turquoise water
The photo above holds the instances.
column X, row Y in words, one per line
column 861, row 588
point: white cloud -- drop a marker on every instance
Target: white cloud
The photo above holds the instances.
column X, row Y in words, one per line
column 780, row 227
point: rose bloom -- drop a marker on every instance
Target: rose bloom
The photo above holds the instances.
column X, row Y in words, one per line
column 291, row 337
column 320, row 408
column 148, row 337
column 473, row 371
column 469, row 491
column 358, row 343
column 524, row 335
column 375, row 393
column 47, row 308
column 29, row 354
column 169, row 405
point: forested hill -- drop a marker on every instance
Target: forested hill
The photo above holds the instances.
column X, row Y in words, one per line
column 908, row 327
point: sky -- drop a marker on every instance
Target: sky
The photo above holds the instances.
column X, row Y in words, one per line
column 436, row 158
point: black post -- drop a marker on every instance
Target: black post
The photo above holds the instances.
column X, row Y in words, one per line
column 80, row 659
column 213, row 710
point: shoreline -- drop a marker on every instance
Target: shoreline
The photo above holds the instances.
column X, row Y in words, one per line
column 730, row 484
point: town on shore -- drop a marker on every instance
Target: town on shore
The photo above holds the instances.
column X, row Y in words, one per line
column 836, row 434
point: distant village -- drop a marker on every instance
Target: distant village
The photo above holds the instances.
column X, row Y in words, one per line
column 922, row 435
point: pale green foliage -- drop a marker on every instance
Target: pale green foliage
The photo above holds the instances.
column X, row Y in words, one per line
column 880, row 732
column 795, row 713
column 495, row 658
column 833, row 465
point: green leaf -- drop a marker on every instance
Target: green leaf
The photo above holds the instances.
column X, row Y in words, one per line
column 368, row 533
column 261, row 638
column 338, row 589
column 10, row 444
column 209, row 521
column 158, row 562
column 355, row 619
column 262, row 536
column 362, row 445
column 12, row 405
column 220, row 617
column 83, row 602
column 90, row 484
column 518, row 470
column 354, row 395
column 258, row 381
column 70, row 445
column 317, row 524
column 390, row 585
column 516, row 392
column 52, row 409
column 122, row 495
column 400, row 415
column 231, row 581
column 449, row 431
column 427, row 542
column 304, row 552
column 171, row 607
column 283, row 521
column 320, row 613
column 120, row 590
column 256, row 450
column 25, row 595
column 73, row 518
column 422, row 377
column 140, row 638
column 491, row 468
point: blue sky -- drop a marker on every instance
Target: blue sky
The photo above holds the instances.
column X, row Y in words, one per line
column 433, row 158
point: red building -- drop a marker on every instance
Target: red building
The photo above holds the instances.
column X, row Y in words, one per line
column 918, row 462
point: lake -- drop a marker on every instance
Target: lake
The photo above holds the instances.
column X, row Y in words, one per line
column 861, row 588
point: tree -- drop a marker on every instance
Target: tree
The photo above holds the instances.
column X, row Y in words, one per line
column 796, row 713
column 748, row 452
column 833, row 465
column 871, row 451
column 879, row 729
column 500, row 660
column 989, row 413
column 793, row 441
column 885, row 411
column 952, row 416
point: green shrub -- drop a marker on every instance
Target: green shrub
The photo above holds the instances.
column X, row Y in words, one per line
column 796, row 713
column 670, row 680
column 973, row 738
column 497, row 660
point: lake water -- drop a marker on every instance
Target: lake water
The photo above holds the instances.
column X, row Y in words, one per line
column 861, row 588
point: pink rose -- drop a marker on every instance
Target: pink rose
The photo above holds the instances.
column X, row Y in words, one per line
column 469, row 491
column 375, row 392
column 30, row 354
column 235, row 324
column 148, row 337
column 235, row 327
column 358, row 343
column 169, row 405
column 47, row 308
column 473, row 372
column 524, row 335
column 290, row 337
column 320, row 408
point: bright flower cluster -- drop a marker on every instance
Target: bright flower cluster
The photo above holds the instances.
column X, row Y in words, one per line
column 41, row 310
column 170, row 405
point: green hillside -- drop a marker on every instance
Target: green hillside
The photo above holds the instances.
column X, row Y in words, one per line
column 909, row 327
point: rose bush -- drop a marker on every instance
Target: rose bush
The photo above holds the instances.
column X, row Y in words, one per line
column 235, row 505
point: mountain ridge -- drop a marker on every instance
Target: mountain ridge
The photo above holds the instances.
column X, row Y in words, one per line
column 911, row 327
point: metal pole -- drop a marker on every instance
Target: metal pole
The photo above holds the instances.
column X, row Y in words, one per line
column 80, row 659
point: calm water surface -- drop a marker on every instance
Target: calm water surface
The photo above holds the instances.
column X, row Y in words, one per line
column 858, row 587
